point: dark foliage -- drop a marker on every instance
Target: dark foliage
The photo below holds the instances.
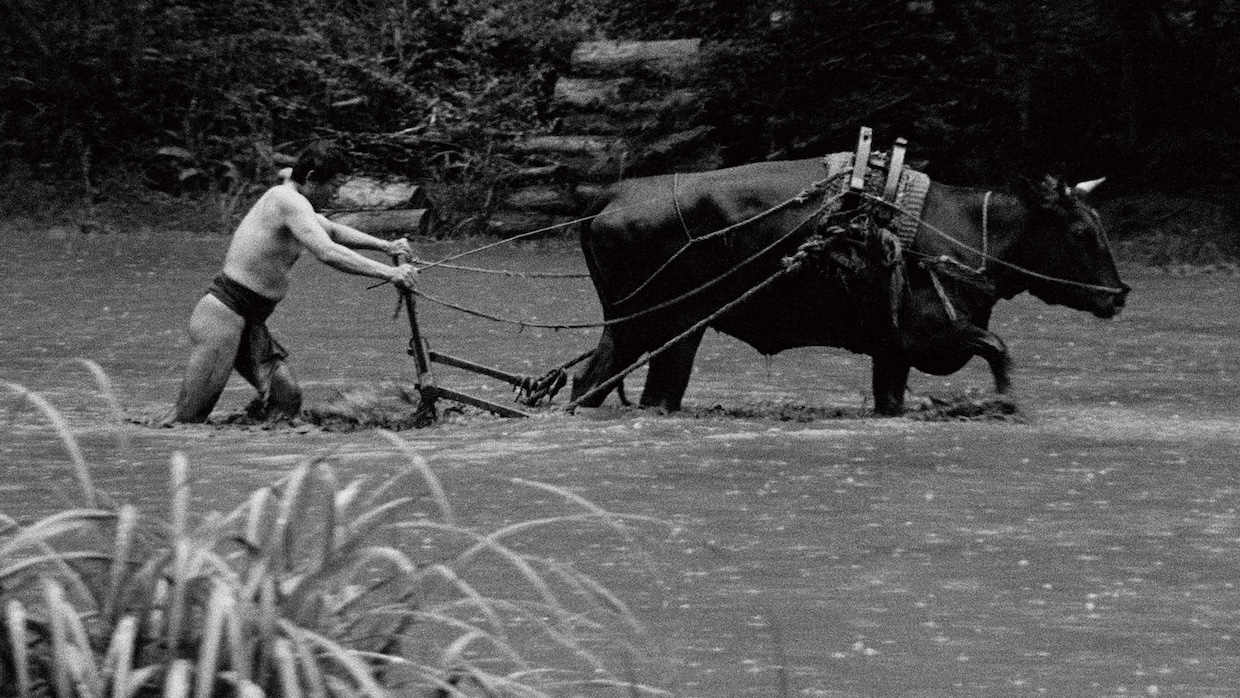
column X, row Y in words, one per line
column 1139, row 91
column 206, row 94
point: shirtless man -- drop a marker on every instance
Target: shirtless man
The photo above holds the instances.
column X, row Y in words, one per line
column 227, row 327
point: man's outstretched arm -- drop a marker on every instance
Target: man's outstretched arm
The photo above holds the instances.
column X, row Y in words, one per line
column 305, row 226
column 357, row 240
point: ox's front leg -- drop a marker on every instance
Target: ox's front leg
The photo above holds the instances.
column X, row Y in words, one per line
column 990, row 347
column 669, row 373
column 889, row 379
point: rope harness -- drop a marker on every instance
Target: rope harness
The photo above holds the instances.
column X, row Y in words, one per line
column 676, row 202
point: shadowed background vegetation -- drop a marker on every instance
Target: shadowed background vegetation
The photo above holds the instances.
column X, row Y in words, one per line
column 206, row 95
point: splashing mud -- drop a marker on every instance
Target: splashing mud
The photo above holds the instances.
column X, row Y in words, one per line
column 968, row 406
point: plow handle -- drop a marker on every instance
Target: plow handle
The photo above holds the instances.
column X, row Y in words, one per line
column 417, row 348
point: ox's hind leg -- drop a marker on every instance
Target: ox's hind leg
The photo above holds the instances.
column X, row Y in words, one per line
column 888, row 380
column 602, row 365
column 669, row 373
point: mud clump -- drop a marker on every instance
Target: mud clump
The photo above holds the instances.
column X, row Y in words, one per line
column 969, row 406
column 783, row 412
column 388, row 406
column 964, row 406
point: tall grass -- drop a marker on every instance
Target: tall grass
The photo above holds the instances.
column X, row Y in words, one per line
column 312, row 586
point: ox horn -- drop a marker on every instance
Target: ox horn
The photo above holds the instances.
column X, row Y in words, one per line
column 1086, row 187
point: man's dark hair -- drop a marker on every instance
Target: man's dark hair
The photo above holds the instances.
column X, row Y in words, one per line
column 320, row 162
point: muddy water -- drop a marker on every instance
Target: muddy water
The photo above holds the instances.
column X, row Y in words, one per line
column 1089, row 552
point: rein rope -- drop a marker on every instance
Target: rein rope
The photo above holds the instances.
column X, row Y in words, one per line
column 506, row 272
column 985, row 256
column 513, row 238
column 647, row 311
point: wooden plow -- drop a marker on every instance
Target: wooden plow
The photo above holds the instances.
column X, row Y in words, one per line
column 530, row 390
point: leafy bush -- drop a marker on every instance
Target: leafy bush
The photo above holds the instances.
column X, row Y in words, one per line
column 99, row 84
column 308, row 587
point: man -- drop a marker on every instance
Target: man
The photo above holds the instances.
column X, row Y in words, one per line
column 227, row 329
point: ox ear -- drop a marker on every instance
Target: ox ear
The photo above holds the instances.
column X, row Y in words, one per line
column 1086, row 187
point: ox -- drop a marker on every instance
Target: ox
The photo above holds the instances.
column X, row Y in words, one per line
column 1043, row 239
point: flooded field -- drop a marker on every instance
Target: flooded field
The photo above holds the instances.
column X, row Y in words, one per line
column 1090, row 551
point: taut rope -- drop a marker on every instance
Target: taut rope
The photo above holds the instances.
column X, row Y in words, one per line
column 791, row 265
column 641, row 313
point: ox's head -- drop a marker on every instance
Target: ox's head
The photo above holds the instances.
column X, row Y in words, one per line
column 1068, row 250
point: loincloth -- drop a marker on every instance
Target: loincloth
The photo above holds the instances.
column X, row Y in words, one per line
column 259, row 353
column 247, row 303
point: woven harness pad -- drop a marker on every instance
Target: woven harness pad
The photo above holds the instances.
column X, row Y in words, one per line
column 910, row 194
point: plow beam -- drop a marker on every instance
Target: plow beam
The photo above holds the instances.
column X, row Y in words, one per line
column 467, row 365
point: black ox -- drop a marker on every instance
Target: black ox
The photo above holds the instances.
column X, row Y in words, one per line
column 1044, row 239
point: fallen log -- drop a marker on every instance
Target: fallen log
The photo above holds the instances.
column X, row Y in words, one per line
column 619, row 96
column 551, row 198
column 672, row 57
column 568, row 145
column 540, row 173
column 370, row 193
column 590, row 93
column 389, row 223
column 590, row 158
column 509, row 222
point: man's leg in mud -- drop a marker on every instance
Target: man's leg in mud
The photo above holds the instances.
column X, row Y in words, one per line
column 214, row 334
column 283, row 394
column 260, row 361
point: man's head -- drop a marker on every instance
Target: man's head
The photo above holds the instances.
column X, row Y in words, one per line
column 316, row 170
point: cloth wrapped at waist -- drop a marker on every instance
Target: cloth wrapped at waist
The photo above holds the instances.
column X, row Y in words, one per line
column 247, row 303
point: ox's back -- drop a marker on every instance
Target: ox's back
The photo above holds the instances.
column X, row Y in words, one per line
column 643, row 222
